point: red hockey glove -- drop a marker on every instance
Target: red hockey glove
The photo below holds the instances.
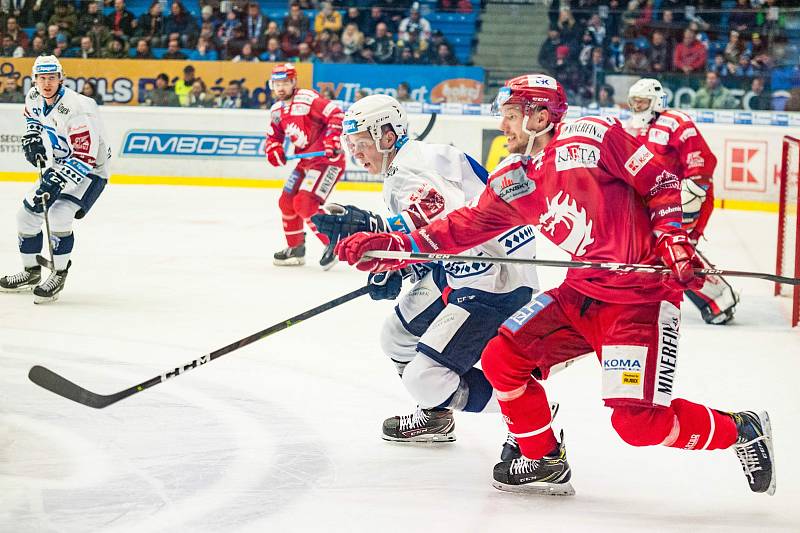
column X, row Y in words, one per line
column 275, row 154
column 332, row 147
column 678, row 253
column 353, row 247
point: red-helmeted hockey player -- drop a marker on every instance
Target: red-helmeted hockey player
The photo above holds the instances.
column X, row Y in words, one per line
column 674, row 136
column 601, row 196
column 312, row 124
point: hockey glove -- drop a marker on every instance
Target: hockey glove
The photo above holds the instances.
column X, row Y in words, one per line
column 341, row 221
column 34, row 149
column 693, row 195
column 679, row 255
column 275, row 154
column 353, row 247
column 385, row 285
column 332, row 147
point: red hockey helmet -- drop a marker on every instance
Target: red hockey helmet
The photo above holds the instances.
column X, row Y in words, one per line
column 284, row 71
column 531, row 91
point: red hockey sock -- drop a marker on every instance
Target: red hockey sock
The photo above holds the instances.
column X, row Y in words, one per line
column 700, row 428
column 528, row 418
column 293, row 229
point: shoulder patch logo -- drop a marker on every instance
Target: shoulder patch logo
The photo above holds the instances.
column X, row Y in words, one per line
column 638, row 160
column 577, row 155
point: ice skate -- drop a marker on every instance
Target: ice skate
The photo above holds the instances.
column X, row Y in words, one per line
column 510, row 449
column 52, row 286
column 290, row 256
column 754, row 449
column 549, row 475
column 329, row 259
column 22, row 281
column 423, row 425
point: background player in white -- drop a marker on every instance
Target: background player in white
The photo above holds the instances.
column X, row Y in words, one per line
column 675, row 137
column 76, row 174
column 438, row 329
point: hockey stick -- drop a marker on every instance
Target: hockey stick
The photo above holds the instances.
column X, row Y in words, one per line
column 621, row 267
column 305, row 156
column 55, row 383
column 45, row 197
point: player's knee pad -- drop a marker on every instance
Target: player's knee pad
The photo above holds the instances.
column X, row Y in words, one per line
column 397, row 342
column 428, row 382
column 62, row 242
column 28, row 224
column 61, row 215
column 306, row 204
column 642, row 425
column 286, row 204
column 495, row 364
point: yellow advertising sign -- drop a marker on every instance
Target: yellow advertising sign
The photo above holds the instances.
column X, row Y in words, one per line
column 125, row 81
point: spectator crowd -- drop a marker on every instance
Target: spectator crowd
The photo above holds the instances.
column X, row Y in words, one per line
column 588, row 39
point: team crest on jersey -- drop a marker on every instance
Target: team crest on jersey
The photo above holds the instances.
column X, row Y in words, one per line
column 297, row 135
column 80, row 141
column 638, row 160
column 577, row 155
column 695, row 159
column 562, row 210
column 665, row 180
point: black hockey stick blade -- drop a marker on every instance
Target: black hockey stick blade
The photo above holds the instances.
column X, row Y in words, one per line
column 44, row 262
column 47, row 379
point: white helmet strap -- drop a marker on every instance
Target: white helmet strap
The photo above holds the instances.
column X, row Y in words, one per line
column 532, row 135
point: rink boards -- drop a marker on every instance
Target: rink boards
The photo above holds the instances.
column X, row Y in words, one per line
column 224, row 148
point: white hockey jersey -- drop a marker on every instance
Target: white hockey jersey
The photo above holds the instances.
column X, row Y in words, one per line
column 73, row 130
column 425, row 182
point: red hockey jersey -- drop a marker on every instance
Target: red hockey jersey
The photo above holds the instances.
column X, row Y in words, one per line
column 675, row 137
column 595, row 192
column 306, row 120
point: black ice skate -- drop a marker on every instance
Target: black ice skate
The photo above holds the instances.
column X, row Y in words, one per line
column 329, row 259
column 754, row 449
column 22, row 281
column 423, row 425
column 549, row 475
column 291, row 256
column 50, row 289
column 510, row 449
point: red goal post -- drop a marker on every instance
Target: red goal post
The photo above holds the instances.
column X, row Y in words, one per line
column 788, row 257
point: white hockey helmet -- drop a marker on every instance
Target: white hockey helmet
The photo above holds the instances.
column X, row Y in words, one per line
column 653, row 91
column 371, row 113
column 47, row 65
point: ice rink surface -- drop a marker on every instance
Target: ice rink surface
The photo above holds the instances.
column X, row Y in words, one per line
column 284, row 435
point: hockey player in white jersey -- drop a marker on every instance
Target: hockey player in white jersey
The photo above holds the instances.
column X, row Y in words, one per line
column 439, row 327
column 66, row 125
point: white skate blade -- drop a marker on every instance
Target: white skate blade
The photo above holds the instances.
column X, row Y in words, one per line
column 763, row 416
column 44, row 299
column 423, row 439
column 292, row 261
column 24, row 288
column 539, row 489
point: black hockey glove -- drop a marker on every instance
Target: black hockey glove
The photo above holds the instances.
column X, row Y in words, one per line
column 344, row 220
column 385, row 285
column 34, row 149
column 51, row 184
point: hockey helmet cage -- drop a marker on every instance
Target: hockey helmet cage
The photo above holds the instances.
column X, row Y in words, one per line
column 652, row 90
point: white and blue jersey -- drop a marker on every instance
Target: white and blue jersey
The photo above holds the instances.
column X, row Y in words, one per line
column 425, row 182
column 73, row 134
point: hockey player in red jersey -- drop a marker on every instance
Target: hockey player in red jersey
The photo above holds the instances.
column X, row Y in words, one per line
column 312, row 124
column 674, row 136
column 601, row 196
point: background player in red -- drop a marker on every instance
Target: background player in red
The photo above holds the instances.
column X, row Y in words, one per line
column 674, row 136
column 601, row 196
column 312, row 124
